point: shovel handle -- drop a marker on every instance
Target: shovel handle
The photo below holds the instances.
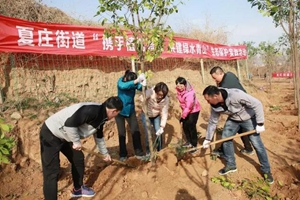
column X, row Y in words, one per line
column 224, row 140
column 102, row 157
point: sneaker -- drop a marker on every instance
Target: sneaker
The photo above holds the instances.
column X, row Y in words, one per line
column 122, row 159
column 83, row 192
column 269, row 178
column 245, row 151
column 227, row 170
column 187, row 145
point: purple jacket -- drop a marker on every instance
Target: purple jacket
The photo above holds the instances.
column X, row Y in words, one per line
column 188, row 101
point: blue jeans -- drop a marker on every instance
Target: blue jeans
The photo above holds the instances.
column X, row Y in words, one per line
column 155, row 123
column 230, row 129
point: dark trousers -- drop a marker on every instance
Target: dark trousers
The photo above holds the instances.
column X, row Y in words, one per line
column 50, row 148
column 135, row 132
column 189, row 128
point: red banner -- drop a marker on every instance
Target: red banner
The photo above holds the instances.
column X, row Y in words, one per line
column 34, row 37
column 283, row 74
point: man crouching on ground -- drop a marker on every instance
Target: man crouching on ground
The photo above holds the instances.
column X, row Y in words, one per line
column 62, row 132
column 244, row 112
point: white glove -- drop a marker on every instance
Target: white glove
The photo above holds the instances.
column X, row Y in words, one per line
column 141, row 77
column 206, row 144
column 107, row 158
column 77, row 146
column 144, row 83
column 160, row 131
column 259, row 129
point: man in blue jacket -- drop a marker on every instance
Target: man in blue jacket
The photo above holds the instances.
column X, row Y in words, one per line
column 244, row 112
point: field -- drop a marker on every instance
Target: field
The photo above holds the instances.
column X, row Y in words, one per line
column 189, row 179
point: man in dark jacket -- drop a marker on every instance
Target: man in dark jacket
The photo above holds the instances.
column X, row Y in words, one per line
column 244, row 112
column 230, row 80
column 62, row 132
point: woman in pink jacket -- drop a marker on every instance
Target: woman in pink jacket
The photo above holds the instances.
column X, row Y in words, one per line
column 190, row 111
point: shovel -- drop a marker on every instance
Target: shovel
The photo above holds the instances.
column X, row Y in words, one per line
column 102, row 157
column 181, row 151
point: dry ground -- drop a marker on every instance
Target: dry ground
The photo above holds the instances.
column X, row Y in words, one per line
column 190, row 178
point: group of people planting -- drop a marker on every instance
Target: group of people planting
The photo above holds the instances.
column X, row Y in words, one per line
column 62, row 131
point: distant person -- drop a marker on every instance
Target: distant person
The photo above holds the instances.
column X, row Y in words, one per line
column 244, row 112
column 127, row 86
column 62, row 132
column 157, row 111
column 190, row 111
column 230, row 80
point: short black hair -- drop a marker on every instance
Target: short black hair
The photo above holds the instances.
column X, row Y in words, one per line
column 211, row 90
column 129, row 76
column 180, row 80
column 114, row 102
column 161, row 86
column 217, row 70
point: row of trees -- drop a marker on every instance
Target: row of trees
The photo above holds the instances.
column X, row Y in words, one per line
column 286, row 14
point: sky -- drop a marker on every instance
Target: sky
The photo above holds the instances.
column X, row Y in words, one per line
column 236, row 17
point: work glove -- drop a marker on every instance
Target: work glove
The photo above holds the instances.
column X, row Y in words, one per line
column 77, row 146
column 107, row 158
column 141, row 77
column 144, row 83
column 160, row 131
column 206, row 144
column 259, row 128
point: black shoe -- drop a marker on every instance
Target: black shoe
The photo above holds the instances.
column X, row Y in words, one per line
column 269, row 178
column 245, row 151
column 138, row 152
column 227, row 170
column 218, row 152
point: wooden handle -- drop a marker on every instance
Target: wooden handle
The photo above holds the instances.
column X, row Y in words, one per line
column 103, row 157
column 224, row 139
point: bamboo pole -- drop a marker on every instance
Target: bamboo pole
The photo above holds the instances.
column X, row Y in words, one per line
column 202, row 71
column 238, row 69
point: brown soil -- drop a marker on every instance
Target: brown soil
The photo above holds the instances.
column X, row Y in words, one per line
column 166, row 179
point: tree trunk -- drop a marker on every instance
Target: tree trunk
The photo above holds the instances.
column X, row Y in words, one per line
column 145, row 109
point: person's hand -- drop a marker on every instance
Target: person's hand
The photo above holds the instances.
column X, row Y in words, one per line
column 144, row 83
column 77, row 146
column 141, row 77
column 206, row 144
column 160, row 131
column 260, row 128
column 107, row 158
column 181, row 120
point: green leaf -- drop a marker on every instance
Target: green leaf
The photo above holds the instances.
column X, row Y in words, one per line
column 4, row 151
column 225, row 184
column 266, row 188
column 5, row 127
column 4, row 160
